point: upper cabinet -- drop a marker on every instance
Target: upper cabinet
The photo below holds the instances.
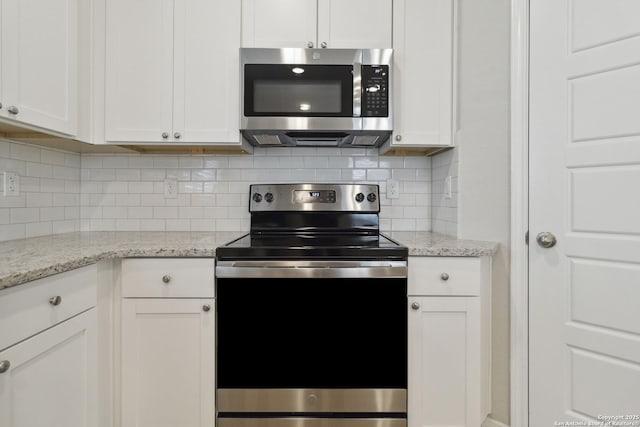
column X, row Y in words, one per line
column 172, row 72
column 424, row 75
column 39, row 64
column 317, row 23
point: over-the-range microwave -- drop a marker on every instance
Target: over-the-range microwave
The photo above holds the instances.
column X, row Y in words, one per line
column 316, row 97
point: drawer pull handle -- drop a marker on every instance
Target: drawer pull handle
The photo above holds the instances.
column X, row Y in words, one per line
column 444, row 277
column 54, row 301
column 415, row 305
column 4, row 366
column 206, row 307
column 166, row 278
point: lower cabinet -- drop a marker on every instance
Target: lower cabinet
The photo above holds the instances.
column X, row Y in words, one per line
column 48, row 373
column 449, row 341
column 168, row 344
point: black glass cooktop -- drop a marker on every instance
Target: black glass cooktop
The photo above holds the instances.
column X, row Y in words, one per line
column 312, row 246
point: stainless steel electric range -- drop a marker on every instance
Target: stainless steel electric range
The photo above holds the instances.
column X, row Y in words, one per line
column 312, row 313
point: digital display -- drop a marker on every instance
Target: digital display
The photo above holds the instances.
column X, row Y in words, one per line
column 314, row 196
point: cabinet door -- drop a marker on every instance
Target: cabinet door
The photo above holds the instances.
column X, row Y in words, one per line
column 168, row 362
column 355, row 24
column 444, row 362
column 423, row 42
column 52, row 377
column 279, row 23
column 139, row 70
column 206, row 79
column 39, row 63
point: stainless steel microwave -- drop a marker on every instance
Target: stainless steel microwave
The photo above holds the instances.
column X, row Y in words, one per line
column 316, row 97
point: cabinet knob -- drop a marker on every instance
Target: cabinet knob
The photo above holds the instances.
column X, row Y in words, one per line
column 13, row 109
column 309, row 45
column 415, row 305
column 206, row 307
column 444, row 277
column 57, row 300
column 165, row 135
column 166, row 278
column 4, row 366
column 398, row 137
column 323, row 45
column 177, row 135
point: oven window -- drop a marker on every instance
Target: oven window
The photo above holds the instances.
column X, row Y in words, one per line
column 311, row 333
column 298, row 90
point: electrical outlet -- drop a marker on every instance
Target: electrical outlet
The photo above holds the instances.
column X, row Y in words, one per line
column 393, row 189
column 170, row 189
column 447, row 187
column 11, row 184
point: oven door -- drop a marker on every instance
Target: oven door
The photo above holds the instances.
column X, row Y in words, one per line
column 319, row 337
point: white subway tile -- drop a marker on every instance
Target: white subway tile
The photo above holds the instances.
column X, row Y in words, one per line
column 240, row 162
column 103, row 174
column 203, row 175
column 203, row 200
column 152, row 200
column 127, row 225
column 127, row 199
column 403, row 224
column 228, row 224
column 72, row 212
column 91, row 162
column 72, row 160
column 16, row 166
column 52, row 214
column 28, row 184
column 102, row 200
column 190, row 187
column 12, row 231
column 378, row 174
column 91, row 187
column 24, row 215
column 115, row 187
column 166, row 162
column 103, row 224
column 229, row 199
column 49, row 185
column 13, row 201
column 5, row 148
column 354, row 174
column 128, row 174
column 52, row 157
column 316, row 162
column 229, row 174
column 152, row 225
column 5, row 214
column 366, row 162
column 340, row 162
column 190, row 162
column 114, row 212
column 58, row 227
column 39, row 170
column 139, row 212
column 190, row 212
column 220, row 162
column 328, row 175
column 216, row 212
column 72, row 186
column 90, row 212
column 34, row 229
column 178, row 174
column 181, row 200
column 38, row 200
column 141, row 187
column 115, row 162
column 203, row 225
column 216, row 187
column 141, row 162
column 165, row 212
column 152, row 174
column 178, row 225
column 25, row 152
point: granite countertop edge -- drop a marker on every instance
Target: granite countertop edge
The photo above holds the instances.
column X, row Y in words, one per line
column 38, row 257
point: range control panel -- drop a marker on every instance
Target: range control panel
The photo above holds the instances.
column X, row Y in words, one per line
column 375, row 91
column 314, row 197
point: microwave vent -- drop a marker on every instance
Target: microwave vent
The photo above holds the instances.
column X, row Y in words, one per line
column 267, row 139
column 365, row 140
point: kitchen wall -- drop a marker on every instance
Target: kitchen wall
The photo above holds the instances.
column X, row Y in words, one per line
column 483, row 163
column 444, row 203
column 49, row 199
column 62, row 191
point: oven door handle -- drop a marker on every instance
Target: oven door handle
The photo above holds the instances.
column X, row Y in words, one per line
column 311, row 269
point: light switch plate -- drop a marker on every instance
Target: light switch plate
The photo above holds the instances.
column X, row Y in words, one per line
column 11, row 184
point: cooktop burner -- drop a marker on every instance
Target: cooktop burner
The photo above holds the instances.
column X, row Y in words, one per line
column 283, row 246
column 313, row 221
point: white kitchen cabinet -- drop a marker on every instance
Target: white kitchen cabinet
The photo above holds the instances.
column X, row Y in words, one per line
column 172, row 72
column 424, row 41
column 317, row 23
column 39, row 64
column 168, row 344
column 48, row 352
column 449, row 341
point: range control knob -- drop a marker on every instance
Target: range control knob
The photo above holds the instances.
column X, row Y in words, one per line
column 268, row 197
column 359, row 197
column 371, row 197
column 257, row 197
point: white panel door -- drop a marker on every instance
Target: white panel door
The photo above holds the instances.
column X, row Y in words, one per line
column 168, row 362
column 52, row 377
column 584, row 173
column 139, row 70
column 279, row 23
column 40, row 63
column 206, row 79
column 355, row 24
column 423, row 37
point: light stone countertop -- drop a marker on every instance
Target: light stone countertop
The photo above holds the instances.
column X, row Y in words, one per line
column 24, row 260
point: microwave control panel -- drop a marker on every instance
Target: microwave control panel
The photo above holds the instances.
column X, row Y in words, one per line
column 375, row 91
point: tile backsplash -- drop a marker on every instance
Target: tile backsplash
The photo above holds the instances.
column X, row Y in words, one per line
column 62, row 191
column 49, row 191
column 444, row 203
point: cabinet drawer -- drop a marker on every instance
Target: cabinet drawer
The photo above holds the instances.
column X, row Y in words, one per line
column 168, row 277
column 444, row 276
column 28, row 309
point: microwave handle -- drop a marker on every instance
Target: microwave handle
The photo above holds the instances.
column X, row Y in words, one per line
column 357, row 89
